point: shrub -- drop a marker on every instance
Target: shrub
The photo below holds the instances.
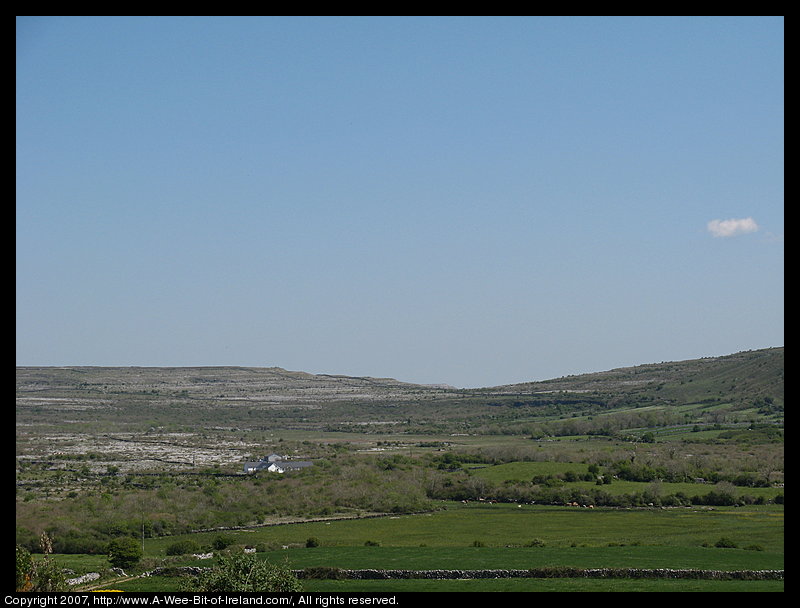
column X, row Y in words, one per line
column 245, row 572
column 312, row 542
column 47, row 576
column 38, row 575
column 221, row 542
column 725, row 543
column 324, row 572
column 24, row 567
column 124, row 552
column 183, row 547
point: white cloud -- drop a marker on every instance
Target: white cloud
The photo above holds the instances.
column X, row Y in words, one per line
column 732, row 227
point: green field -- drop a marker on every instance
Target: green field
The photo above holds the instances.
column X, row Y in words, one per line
column 568, row 537
column 499, row 525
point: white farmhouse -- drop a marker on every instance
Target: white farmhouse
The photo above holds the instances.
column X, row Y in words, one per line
column 274, row 463
column 283, row 466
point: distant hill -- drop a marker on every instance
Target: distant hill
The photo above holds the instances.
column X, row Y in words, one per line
column 264, row 384
column 740, row 378
column 734, row 389
column 745, row 376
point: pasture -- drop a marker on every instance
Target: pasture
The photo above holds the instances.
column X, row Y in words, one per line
column 511, row 525
column 507, row 536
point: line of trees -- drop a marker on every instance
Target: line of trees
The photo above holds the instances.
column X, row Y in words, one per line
column 552, row 490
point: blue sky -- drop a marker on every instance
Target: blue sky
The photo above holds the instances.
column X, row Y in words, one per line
column 463, row 200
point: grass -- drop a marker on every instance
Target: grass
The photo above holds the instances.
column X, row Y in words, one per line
column 498, row 558
column 574, row 537
column 161, row 583
column 491, row 585
column 571, row 536
column 429, row 558
column 542, row 585
column 503, row 525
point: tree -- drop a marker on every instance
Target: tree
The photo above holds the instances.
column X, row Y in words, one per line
column 245, row 572
column 124, row 552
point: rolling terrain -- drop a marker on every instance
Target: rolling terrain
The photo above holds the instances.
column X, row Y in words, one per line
column 683, row 457
column 140, row 417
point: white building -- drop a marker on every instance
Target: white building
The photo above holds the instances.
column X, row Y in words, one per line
column 283, row 466
column 274, row 463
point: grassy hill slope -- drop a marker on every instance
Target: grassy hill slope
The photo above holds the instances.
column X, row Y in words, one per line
column 737, row 378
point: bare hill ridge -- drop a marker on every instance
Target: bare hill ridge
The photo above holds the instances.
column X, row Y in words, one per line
column 267, row 384
column 747, row 374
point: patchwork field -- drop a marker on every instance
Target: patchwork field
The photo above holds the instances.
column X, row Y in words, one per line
column 676, row 466
column 501, row 537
